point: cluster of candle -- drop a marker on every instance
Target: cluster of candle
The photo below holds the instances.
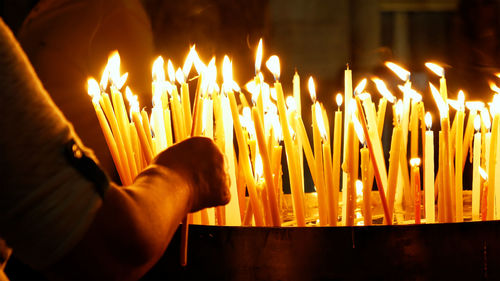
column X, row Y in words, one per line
column 271, row 122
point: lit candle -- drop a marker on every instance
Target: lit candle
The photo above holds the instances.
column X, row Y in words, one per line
column 317, row 118
column 186, row 104
column 476, row 164
column 234, row 214
column 429, row 171
column 177, row 119
column 337, row 134
column 458, row 158
column 157, row 114
column 492, row 168
column 446, row 168
column 266, row 164
column 94, row 92
column 328, row 172
column 297, row 192
column 394, row 159
column 439, row 71
column 347, row 97
column 377, row 158
column 245, row 163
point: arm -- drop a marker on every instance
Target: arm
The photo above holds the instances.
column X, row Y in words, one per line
column 128, row 230
column 135, row 224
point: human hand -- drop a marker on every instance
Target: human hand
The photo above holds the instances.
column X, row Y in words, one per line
column 202, row 165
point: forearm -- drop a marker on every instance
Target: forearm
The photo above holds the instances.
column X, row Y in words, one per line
column 131, row 230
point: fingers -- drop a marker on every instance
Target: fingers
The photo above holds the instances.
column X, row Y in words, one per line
column 202, row 165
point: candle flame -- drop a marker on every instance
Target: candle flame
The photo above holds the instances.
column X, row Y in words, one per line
column 365, row 96
column 188, row 63
column 132, row 100
column 104, row 78
column 383, row 90
column 273, row 64
column 494, row 87
column 474, row 105
column 360, row 87
column 485, row 115
column 251, row 87
column 259, row 169
column 93, row 90
column 358, row 128
column 258, row 57
column 171, row 71
column 179, row 75
column 290, row 103
column 158, row 70
column 339, row 99
column 441, row 104
column 477, row 122
column 352, row 107
column 402, row 73
column 461, row 98
column 415, row 162
column 113, row 67
column 320, row 121
column 483, row 173
column 438, row 70
column 359, row 188
column 211, row 76
column 312, row 89
column 428, row 120
column 227, row 70
column 198, row 63
column 399, row 111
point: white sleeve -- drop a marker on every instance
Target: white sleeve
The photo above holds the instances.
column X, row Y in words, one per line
column 46, row 205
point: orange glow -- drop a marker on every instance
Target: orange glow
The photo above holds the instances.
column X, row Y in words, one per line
column 320, row 121
column 339, row 99
column 273, row 64
column 477, row 123
column 358, row 128
column 415, row 162
column 158, row 70
column 441, row 104
column 93, row 90
column 360, row 87
column 258, row 57
column 399, row 111
column 428, row 120
column 485, row 115
column 312, row 89
column 438, row 70
column 402, row 73
column 383, row 90
column 171, row 71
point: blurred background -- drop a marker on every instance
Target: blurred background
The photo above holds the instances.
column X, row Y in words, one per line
column 319, row 38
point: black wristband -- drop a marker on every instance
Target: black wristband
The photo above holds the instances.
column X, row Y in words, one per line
column 86, row 166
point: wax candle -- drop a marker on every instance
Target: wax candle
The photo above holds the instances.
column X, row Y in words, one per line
column 476, row 164
column 234, row 206
column 93, row 90
column 297, row 192
column 266, row 163
column 394, row 159
column 458, row 159
column 317, row 118
column 245, row 163
column 337, row 134
column 415, row 163
column 347, row 97
column 429, row 171
column 367, row 209
column 377, row 159
column 348, row 168
column 492, row 169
